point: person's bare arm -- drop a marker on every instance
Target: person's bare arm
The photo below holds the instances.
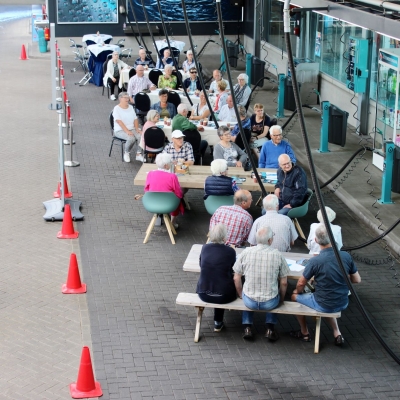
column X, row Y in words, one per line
column 237, row 278
column 282, row 289
column 355, row 278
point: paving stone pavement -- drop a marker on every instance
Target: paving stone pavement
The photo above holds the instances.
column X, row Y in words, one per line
column 141, row 342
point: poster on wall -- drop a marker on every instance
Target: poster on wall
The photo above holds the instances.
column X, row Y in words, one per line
column 318, row 38
column 87, row 11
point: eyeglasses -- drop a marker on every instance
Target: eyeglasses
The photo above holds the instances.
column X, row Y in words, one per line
column 125, row 97
column 193, row 72
column 279, row 134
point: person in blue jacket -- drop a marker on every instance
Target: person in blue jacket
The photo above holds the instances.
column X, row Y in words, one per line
column 219, row 184
column 272, row 149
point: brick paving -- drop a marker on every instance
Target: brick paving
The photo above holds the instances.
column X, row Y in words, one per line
column 141, row 342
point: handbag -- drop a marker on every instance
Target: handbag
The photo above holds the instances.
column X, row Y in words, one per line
column 247, row 165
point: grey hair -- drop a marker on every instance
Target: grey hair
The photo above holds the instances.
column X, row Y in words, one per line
column 270, row 202
column 240, row 196
column 275, row 127
column 245, row 77
column 151, row 115
column 122, row 94
column 218, row 234
column 168, row 66
column 242, row 111
column 321, row 236
column 189, row 52
column 283, row 156
column 218, row 166
column 163, row 159
column 264, row 234
column 182, row 107
column 222, row 129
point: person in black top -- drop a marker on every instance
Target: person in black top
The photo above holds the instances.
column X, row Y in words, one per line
column 260, row 123
column 216, row 284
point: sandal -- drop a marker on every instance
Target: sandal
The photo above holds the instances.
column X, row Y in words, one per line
column 339, row 340
column 300, row 336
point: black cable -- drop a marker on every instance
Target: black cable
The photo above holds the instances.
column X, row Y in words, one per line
column 137, row 25
column 146, row 16
column 228, row 71
column 170, row 49
column 199, row 75
column 286, row 18
column 382, row 235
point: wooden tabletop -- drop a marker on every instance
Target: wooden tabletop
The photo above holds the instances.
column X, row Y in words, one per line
column 198, row 173
column 192, row 261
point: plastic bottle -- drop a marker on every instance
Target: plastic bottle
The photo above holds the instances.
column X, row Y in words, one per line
column 391, row 117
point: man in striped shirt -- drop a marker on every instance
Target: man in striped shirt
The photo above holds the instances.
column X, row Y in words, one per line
column 237, row 220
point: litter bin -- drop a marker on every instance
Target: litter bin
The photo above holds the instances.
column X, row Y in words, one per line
column 337, row 126
column 396, row 170
column 233, row 51
column 42, row 41
column 289, row 102
column 257, row 71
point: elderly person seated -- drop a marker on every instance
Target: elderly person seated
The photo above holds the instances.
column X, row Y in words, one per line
column 222, row 95
column 217, row 75
column 227, row 113
column 193, row 83
column 246, row 124
column 144, row 60
column 219, row 184
column 138, row 83
column 111, row 77
column 200, row 111
column 165, row 109
column 152, row 118
column 216, row 284
column 126, row 126
column 226, row 150
column 241, row 90
column 167, row 80
column 162, row 180
column 312, row 245
column 166, row 60
column 189, row 62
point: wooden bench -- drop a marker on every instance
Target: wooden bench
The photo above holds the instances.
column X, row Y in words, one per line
column 288, row 307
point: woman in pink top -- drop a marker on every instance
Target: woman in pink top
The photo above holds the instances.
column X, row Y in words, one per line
column 152, row 118
column 162, row 180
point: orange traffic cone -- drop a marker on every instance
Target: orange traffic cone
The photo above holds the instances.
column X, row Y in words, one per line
column 73, row 285
column 85, row 385
column 67, row 229
column 67, row 193
column 23, row 53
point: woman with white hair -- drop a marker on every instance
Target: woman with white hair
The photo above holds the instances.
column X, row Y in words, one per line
column 241, row 90
column 226, row 150
column 216, row 284
column 167, row 80
column 189, row 62
column 161, row 180
column 219, row 184
column 336, row 230
column 152, row 118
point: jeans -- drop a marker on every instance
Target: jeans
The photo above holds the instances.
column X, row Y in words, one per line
column 203, row 147
column 222, row 299
column 308, row 300
column 247, row 316
column 282, row 210
column 130, row 139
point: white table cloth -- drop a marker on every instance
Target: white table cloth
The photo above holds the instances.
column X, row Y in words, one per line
column 96, row 49
column 125, row 75
column 96, row 38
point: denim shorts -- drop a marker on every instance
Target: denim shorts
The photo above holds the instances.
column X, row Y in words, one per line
column 308, row 300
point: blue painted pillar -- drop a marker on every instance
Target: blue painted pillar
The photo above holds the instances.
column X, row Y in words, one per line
column 323, row 143
column 280, row 113
column 387, row 174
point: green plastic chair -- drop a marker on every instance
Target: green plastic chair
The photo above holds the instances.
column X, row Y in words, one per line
column 160, row 203
column 214, row 202
column 299, row 212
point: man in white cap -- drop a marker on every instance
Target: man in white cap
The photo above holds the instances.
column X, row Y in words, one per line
column 336, row 230
column 179, row 149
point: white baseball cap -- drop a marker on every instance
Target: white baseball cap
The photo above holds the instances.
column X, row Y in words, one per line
column 177, row 134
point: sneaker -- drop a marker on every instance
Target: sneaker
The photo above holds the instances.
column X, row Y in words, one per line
column 247, row 334
column 127, row 157
column 139, row 157
column 113, row 98
column 218, row 326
